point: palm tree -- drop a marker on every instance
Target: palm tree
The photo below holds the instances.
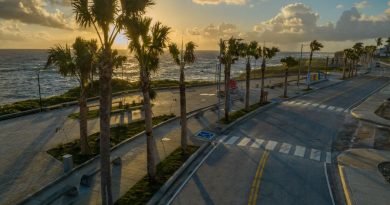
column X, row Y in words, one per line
column 288, row 62
column 106, row 18
column 248, row 51
column 80, row 64
column 267, row 53
column 346, row 57
column 314, row 46
column 147, row 44
column 358, row 49
column 379, row 42
column 230, row 52
column 182, row 58
column 388, row 47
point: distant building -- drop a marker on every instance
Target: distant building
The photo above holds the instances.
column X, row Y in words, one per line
column 339, row 58
column 382, row 52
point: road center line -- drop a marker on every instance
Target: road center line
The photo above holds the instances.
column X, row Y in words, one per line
column 255, row 188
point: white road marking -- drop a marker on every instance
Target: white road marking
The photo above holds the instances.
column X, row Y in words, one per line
column 331, row 108
column 285, row 148
column 328, row 157
column 271, row 145
column 346, row 111
column 315, row 104
column 300, row 151
column 223, row 138
column 244, row 142
column 257, row 143
column 306, row 104
column 339, row 109
column 232, row 140
column 323, row 106
column 315, row 154
column 291, row 102
column 298, row 103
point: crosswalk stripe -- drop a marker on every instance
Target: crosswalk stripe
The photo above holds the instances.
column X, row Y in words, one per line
column 322, row 106
column 331, row 108
column 328, row 157
column 271, row 145
column 300, row 151
column 291, row 102
column 232, row 140
column 244, row 141
column 315, row 154
column 346, row 111
column 285, row 148
column 257, row 143
column 306, row 104
column 339, row 109
column 315, row 104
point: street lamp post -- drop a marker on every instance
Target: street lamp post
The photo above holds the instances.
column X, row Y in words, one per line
column 39, row 90
column 300, row 65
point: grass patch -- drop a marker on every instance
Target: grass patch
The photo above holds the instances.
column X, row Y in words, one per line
column 239, row 113
column 118, row 135
column 144, row 189
column 93, row 91
column 95, row 112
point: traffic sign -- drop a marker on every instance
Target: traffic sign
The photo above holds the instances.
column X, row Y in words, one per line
column 205, row 135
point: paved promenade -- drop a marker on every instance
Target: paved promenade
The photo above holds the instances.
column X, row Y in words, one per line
column 25, row 166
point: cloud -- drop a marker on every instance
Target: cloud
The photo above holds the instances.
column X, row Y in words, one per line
column 224, row 30
column 10, row 31
column 215, row 2
column 33, row 12
column 339, row 6
column 361, row 5
column 299, row 23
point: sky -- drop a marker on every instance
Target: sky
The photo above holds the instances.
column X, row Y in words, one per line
column 286, row 24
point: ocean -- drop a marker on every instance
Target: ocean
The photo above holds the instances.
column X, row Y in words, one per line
column 19, row 69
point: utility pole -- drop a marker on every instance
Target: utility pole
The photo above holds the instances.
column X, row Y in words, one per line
column 39, row 91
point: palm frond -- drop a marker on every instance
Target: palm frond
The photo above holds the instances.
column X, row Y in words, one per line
column 82, row 10
column 175, row 53
column 189, row 54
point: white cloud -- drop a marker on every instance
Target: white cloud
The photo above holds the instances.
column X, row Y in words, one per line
column 361, row 5
column 339, row 6
column 215, row 2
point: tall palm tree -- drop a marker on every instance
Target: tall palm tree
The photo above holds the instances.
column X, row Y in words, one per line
column 248, row 51
column 182, row 58
column 267, row 53
column 358, row 49
column 288, row 62
column 387, row 47
column 346, row 58
column 230, row 51
column 106, row 17
column 147, row 44
column 80, row 64
column 314, row 46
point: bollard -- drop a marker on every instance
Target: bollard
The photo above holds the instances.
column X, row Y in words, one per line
column 122, row 118
column 68, row 162
column 129, row 116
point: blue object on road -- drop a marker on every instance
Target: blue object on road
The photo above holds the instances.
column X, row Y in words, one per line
column 205, row 135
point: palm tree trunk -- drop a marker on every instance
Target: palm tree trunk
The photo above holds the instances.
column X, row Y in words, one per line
column 262, row 97
column 183, row 111
column 248, row 83
column 83, row 119
column 105, row 115
column 344, row 68
column 150, row 144
column 285, row 83
column 227, row 91
column 308, row 72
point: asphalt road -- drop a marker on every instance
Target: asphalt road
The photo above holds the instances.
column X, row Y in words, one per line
column 278, row 156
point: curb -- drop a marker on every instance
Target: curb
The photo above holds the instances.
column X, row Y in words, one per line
column 163, row 190
column 344, row 184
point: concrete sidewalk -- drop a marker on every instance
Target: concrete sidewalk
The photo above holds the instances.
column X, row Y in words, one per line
column 28, row 167
column 366, row 110
column 362, row 182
